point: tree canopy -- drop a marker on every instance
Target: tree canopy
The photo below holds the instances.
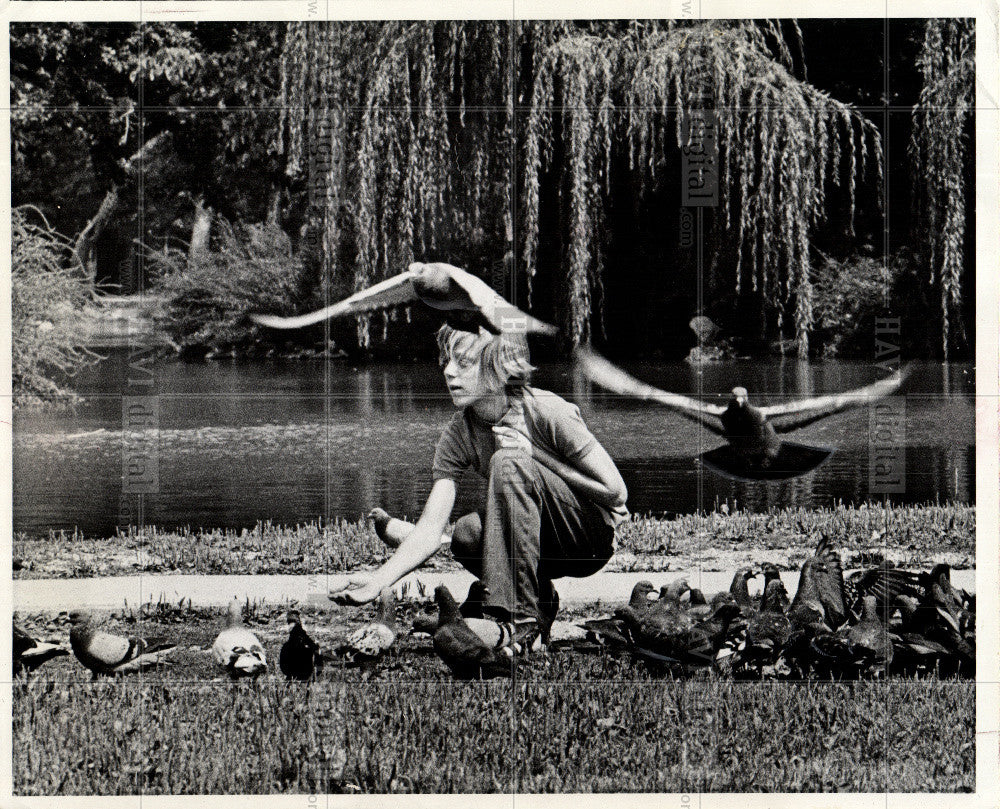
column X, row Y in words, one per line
column 544, row 156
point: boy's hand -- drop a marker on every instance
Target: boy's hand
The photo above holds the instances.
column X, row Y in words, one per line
column 364, row 589
column 509, row 438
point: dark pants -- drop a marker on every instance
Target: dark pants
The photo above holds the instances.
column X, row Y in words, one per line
column 533, row 529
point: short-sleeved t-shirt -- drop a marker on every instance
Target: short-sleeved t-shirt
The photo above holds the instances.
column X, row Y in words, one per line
column 551, row 423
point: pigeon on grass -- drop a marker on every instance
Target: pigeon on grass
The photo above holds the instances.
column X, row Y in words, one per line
column 105, row 653
column 373, row 639
column 300, row 657
column 461, row 649
column 30, row 653
column 237, row 649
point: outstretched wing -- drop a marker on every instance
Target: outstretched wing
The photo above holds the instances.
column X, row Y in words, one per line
column 614, row 379
column 391, row 292
column 793, row 415
column 498, row 314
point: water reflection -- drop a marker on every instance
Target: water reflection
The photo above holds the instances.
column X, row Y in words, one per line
column 245, row 442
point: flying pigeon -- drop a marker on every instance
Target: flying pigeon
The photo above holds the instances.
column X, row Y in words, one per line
column 371, row 640
column 300, row 657
column 754, row 450
column 440, row 286
column 461, row 649
column 104, row 653
column 237, row 649
column 29, row 653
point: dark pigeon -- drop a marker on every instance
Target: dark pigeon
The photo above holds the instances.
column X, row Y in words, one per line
column 738, row 588
column 30, row 653
column 754, row 448
column 300, row 657
column 821, row 584
column 461, row 649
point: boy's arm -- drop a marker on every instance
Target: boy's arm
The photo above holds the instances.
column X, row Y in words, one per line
column 594, row 474
column 423, row 541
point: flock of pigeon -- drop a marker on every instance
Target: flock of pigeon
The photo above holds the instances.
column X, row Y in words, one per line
column 876, row 622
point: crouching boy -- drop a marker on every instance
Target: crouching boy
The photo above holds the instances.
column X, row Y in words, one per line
column 553, row 495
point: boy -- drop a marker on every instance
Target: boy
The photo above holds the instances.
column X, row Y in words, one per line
column 554, row 496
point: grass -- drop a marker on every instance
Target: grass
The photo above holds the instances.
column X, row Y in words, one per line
column 572, row 720
column 910, row 534
column 160, row 737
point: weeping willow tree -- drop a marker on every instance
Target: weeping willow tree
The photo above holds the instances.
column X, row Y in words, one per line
column 457, row 131
column 939, row 148
column 426, row 120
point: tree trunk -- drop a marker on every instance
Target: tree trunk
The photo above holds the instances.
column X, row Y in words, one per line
column 200, row 232
column 83, row 248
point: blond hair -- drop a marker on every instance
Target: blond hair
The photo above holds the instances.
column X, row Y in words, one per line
column 503, row 358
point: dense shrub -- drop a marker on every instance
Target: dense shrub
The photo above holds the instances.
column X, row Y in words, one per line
column 49, row 298
column 249, row 268
column 847, row 297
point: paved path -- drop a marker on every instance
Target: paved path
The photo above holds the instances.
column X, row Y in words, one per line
column 111, row 593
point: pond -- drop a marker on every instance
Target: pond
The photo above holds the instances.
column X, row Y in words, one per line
column 292, row 441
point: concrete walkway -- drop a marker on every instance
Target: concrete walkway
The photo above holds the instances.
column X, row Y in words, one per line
column 112, row 593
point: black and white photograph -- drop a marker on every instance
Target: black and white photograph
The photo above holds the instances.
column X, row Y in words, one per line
column 514, row 403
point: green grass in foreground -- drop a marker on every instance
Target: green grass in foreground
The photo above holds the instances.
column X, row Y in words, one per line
column 161, row 737
column 918, row 532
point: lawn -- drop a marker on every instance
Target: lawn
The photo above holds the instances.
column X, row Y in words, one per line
column 576, row 719
column 909, row 535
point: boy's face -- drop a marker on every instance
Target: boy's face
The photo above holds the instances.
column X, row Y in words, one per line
column 463, row 376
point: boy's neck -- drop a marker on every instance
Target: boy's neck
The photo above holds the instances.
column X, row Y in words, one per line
column 491, row 408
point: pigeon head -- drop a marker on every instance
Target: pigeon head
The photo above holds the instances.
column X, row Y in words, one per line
column 674, row 590
column 447, row 606
column 641, row 593
column 234, row 614
column 726, row 611
column 739, row 397
column 79, row 618
column 385, row 612
column 870, row 609
column 770, row 572
column 775, row 597
column 722, row 598
column 293, row 618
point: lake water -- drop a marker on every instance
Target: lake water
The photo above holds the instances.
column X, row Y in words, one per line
column 290, row 441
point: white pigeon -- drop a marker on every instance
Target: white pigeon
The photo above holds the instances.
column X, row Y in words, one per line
column 237, row 649
column 104, row 653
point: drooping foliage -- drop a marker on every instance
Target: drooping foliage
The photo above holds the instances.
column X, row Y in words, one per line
column 49, row 295
column 939, row 148
column 449, row 111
